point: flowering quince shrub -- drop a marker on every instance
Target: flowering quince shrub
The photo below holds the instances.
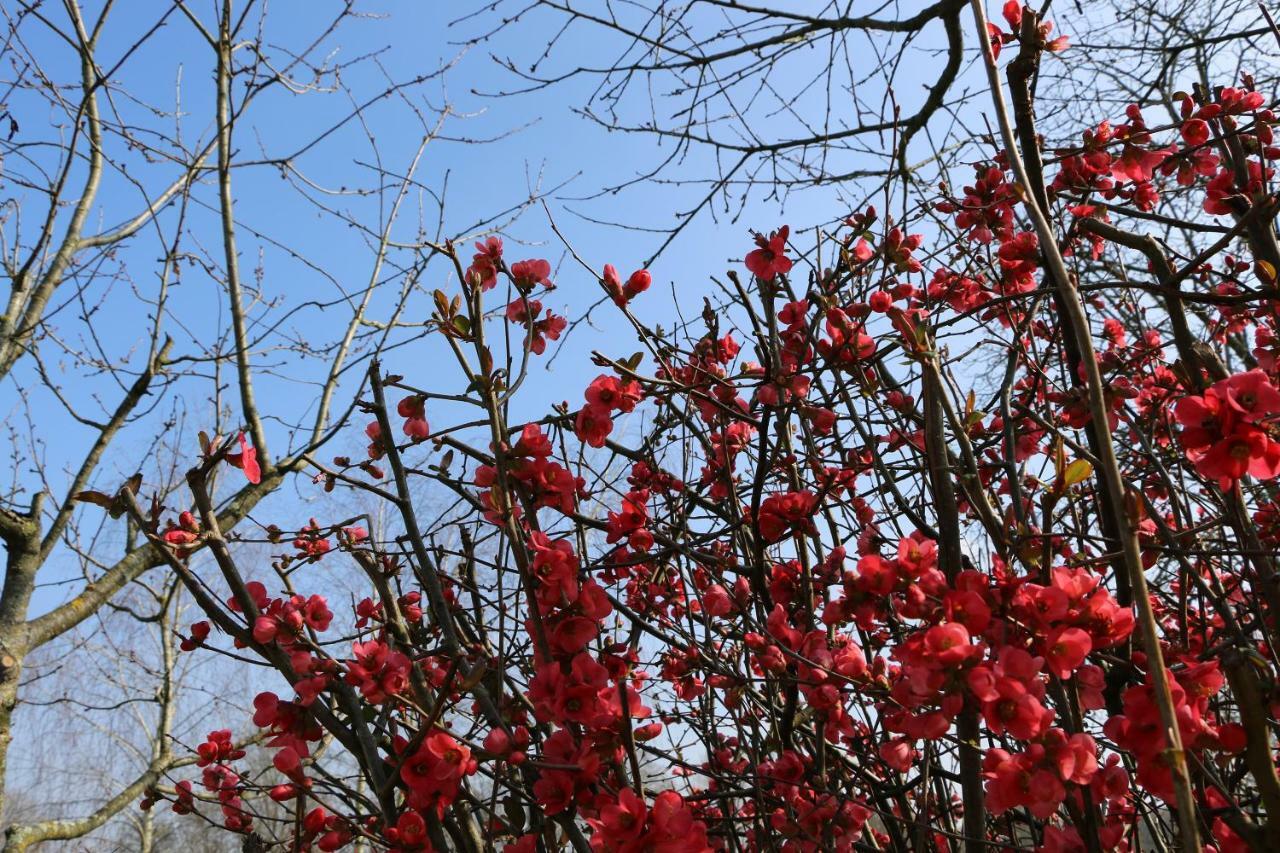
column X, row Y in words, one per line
column 802, row 575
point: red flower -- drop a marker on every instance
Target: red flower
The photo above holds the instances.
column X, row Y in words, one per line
column 554, row 792
column 716, row 601
column 613, row 284
column 556, row 566
column 898, row 754
column 947, row 645
column 1012, row 12
column 917, row 554
column 414, row 410
column 217, row 748
column 523, row 310
column 185, row 802
column 1195, row 132
column 288, row 762
column 199, row 633
column 823, row 420
column 637, row 283
column 768, row 260
column 497, row 742
column 379, row 672
column 1203, row 419
column 1066, row 649
column 1251, row 395
column 436, row 770
column 571, row 635
column 898, row 248
column 593, row 425
column 610, row 393
column 410, row 832
column 550, row 326
column 533, row 442
column 674, row 828
column 246, row 460
column 527, row 275
column 622, row 820
column 1221, row 429
column 1137, row 164
column 785, row 512
column 484, row 265
column 1246, row 451
column 632, row 516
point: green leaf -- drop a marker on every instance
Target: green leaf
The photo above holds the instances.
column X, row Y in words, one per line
column 1077, row 472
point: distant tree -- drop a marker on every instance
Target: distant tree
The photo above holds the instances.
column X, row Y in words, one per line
column 748, row 100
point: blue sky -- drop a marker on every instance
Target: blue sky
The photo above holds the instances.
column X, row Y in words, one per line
column 536, row 142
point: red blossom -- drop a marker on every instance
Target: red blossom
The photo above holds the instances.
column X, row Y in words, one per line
column 769, row 259
column 246, row 460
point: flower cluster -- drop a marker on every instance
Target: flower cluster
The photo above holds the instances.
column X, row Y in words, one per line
column 1227, row 431
column 605, row 395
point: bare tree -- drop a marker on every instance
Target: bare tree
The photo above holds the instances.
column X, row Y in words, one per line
column 748, row 100
column 135, row 316
column 751, row 102
column 1126, row 52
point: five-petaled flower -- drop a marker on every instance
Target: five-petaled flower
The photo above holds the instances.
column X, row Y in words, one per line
column 769, row 259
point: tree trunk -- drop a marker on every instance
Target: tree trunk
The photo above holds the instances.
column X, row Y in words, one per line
column 21, row 534
column 10, row 673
